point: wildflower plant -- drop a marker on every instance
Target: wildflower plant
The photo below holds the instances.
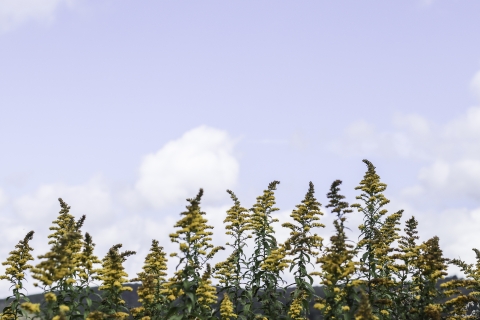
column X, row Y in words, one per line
column 302, row 245
column 458, row 307
column 113, row 276
column 365, row 309
column 226, row 308
column 384, row 283
column 377, row 236
column 154, row 302
column 230, row 272
column 18, row 264
column 405, row 298
column 268, row 259
column 188, row 286
column 86, row 274
column 59, row 268
column 337, row 265
column 431, row 267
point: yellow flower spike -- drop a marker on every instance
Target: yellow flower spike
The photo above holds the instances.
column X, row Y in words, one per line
column 336, row 264
column 226, row 308
column 194, row 239
column 87, row 259
column 50, row 297
column 18, row 261
column 113, row 275
column 364, row 311
column 296, row 308
column 302, row 243
column 149, row 293
column 205, row 292
column 63, row 308
column 62, row 261
column 31, row 307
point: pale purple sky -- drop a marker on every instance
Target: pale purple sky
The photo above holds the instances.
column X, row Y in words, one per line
column 125, row 109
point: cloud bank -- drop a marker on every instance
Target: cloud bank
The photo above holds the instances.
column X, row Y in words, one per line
column 16, row 12
column 202, row 158
column 445, row 198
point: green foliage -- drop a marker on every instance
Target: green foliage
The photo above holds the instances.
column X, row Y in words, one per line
column 383, row 283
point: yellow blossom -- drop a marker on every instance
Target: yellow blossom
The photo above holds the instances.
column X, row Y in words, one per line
column 50, row 297
column 226, row 308
column 31, row 307
column 63, row 308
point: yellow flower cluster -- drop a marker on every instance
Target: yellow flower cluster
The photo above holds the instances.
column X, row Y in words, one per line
column 237, row 220
column 226, row 271
column 87, row 259
column 31, row 307
column 50, row 297
column 260, row 221
column 153, row 274
column 364, row 311
column 226, row 308
column 61, row 262
column 112, row 273
column 296, row 308
column 18, row 262
column 237, row 223
column 206, row 293
column 276, row 262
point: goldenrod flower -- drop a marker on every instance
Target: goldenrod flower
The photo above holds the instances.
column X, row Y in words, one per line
column 31, row 307
column 319, row 306
column 206, row 293
column 63, row 308
column 194, row 242
column 62, row 261
column 364, row 311
column 336, row 264
column 149, row 292
column 113, row 276
column 276, row 262
column 296, row 309
column 18, row 261
column 226, row 308
column 120, row 315
column 50, row 297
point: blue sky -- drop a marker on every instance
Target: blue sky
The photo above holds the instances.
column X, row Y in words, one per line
column 125, row 109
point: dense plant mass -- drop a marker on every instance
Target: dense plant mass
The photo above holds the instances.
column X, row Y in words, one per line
column 371, row 279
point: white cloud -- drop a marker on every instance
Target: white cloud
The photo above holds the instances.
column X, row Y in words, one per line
column 361, row 139
column 202, row 158
column 92, row 199
column 455, row 179
column 15, row 12
column 445, row 198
